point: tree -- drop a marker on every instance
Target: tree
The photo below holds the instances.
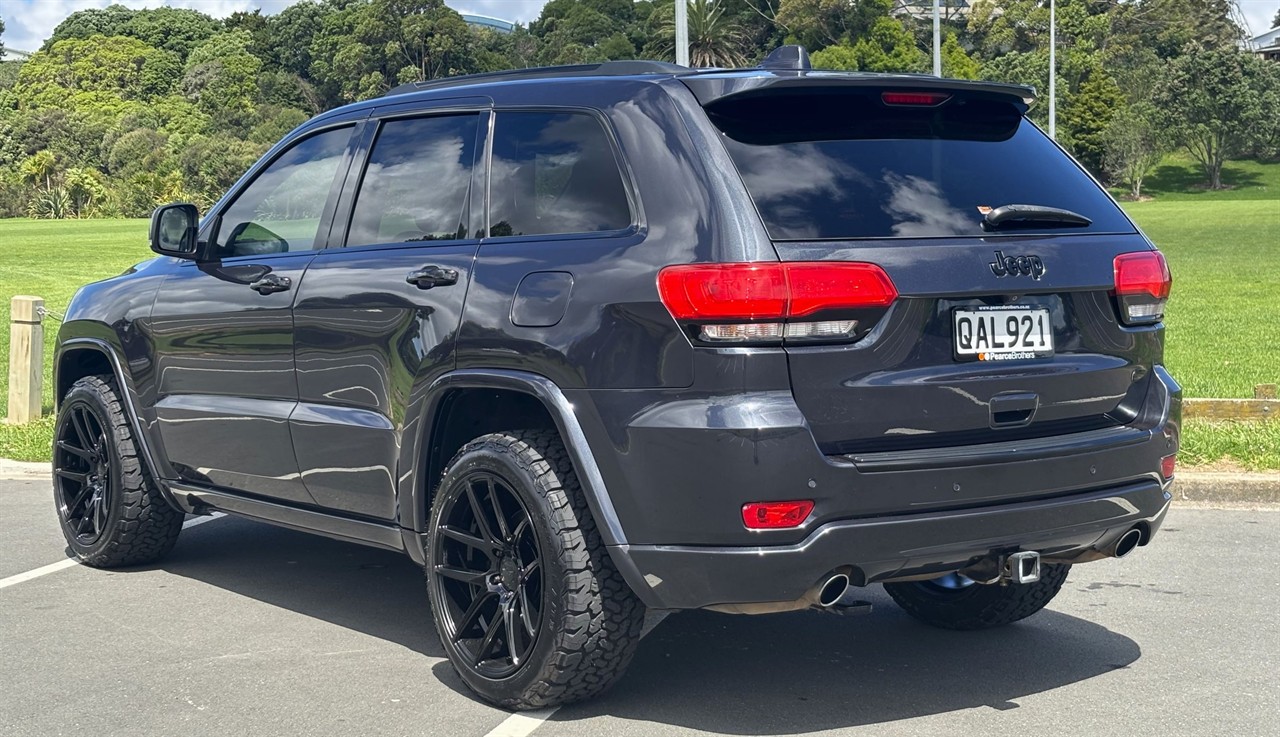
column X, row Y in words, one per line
column 955, row 62
column 1, row 38
column 221, row 78
column 715, row 39
column 818, row 23
column 1220, row 102
column 1087, row 116
column 1275, row 22
column 1134, row 145
column 99, row 71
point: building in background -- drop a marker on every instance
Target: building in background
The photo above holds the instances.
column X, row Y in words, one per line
column 1267, row 45
column 488, row 21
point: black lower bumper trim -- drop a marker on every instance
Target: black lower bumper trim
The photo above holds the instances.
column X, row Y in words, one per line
column 688, row 577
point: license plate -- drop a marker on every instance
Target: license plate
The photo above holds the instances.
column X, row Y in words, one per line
column 1002, row 333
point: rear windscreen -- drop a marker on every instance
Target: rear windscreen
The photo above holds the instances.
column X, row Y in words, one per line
column 842, row 164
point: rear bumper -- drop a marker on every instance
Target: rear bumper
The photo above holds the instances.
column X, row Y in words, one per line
column 679, row 468
column 872, row 550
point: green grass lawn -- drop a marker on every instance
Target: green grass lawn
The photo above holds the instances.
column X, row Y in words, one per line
column 1222, row 249
column 1182, row 179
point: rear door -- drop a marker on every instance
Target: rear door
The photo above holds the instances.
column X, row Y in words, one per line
column 1000, row 333
column 378, row 317
column 223, row 327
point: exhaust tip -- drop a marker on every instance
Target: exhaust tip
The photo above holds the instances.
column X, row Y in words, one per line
column 1127, row 543
column 833, row 589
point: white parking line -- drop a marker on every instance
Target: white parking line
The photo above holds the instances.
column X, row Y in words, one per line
column 68, row 563
column 524, row 723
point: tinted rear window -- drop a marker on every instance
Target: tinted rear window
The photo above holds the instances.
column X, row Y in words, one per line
column 554, row 173
column 843, row 165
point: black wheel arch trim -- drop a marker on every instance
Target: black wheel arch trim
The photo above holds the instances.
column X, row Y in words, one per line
column 561, row 411
column 146, row 443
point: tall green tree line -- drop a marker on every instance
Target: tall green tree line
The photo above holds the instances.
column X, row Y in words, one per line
column 122, row 109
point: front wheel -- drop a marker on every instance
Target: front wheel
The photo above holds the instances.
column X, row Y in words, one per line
column 957, row 603
column 528, row 605
column 111, row 512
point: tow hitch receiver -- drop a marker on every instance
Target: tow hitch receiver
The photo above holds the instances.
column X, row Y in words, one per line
column 1022, row 567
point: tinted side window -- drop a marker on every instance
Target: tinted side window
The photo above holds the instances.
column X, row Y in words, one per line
column 554, row 173
column 280, row 210
column 416, row 184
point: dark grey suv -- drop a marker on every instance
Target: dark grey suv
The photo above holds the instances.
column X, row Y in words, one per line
column 589, row 340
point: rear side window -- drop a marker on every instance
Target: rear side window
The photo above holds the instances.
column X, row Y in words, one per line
column 416, row 184
column 554, row 173
column 841, row 164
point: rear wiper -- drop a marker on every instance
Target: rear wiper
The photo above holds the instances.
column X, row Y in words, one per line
column 1032, row 216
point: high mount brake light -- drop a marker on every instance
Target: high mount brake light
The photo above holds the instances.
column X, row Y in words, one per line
column 1142, row 284
column 920, row 99
column 760, row 301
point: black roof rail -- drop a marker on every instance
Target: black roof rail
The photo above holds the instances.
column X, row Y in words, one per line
column 603, row 69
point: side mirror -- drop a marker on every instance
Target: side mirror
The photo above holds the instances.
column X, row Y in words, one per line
column 173, row 230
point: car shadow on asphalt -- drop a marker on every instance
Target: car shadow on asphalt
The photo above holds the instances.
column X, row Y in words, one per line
column 764, row 675
column 377, row 592
column 811, row 671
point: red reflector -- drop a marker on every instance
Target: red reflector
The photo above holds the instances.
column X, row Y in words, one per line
column 775, row 515
column 771, row 291
column 1145, row 272
column 914, row 98
column 1167, row 465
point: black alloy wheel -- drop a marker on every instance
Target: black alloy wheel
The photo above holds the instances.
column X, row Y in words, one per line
column 489, row 575
column 83, row 473
column 112, row 513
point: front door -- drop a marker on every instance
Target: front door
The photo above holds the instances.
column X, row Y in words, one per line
column 223, row 326
column 378, row 318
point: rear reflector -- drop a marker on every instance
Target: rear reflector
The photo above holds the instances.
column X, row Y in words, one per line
column 1167, row 464
column 927, row 99
column 775, row 515
column 771, row 291
column 1142, row 284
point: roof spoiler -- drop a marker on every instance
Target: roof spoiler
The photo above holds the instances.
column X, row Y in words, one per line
column 715, row 87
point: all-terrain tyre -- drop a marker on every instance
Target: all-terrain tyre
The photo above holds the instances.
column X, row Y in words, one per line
column 527, row 603
column 958, row 604
column 111, row 512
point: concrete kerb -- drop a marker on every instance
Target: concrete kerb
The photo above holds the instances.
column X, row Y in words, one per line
column 1191, row 486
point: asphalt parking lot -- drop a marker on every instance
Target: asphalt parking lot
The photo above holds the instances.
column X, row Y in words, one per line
column 250, row 629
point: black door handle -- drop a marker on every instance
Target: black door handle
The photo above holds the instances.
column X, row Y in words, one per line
column 271, row 283
column 432, row 276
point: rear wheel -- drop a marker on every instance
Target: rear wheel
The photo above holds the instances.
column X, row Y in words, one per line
column 957, row 603
column 527, row 603
column 111, row 512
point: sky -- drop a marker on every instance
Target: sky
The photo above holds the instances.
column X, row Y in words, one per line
column 29, row 22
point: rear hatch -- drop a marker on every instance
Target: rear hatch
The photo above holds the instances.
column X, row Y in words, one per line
column 1007, row 325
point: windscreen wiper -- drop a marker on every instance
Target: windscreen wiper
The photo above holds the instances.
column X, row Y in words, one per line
column 1032, row 216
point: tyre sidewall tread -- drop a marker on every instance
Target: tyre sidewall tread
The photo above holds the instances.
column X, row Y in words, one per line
column 978, row 606
column 591, row 620
column 141, row 526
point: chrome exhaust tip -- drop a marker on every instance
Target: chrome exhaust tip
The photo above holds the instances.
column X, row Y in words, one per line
column 832, row 590
column 1127, row 543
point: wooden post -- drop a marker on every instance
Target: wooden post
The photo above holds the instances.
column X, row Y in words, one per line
column 26, row 359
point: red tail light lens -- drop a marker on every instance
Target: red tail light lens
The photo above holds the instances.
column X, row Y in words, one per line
column 1142, row 285
column 771, row 291
column 775, row 515
column 926, row 99
column 1167, row 465
column 724, row 291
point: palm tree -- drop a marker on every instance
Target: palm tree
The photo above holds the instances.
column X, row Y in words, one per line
column 714, row 40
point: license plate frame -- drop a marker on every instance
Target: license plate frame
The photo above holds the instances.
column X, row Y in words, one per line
column 981, row 333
